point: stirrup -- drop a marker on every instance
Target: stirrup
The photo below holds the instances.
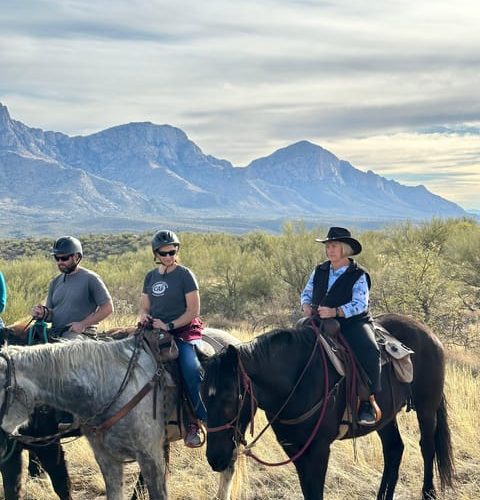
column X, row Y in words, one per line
column 376, row 408
column 195, row 437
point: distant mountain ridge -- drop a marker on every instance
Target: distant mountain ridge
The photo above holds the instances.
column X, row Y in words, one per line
column 141, row 171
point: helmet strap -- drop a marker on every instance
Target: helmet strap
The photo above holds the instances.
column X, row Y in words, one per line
column 73, row 267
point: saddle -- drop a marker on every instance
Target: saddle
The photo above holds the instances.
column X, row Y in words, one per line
column 392, row 350
column 163, row 349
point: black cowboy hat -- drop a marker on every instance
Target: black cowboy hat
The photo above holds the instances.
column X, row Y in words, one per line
column 342, row 234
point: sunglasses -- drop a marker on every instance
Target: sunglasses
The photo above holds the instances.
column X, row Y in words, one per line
column 62, row 258
column 164, row 254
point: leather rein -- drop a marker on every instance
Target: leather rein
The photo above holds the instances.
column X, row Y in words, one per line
column 245, row 381
column 8, row 387
column 11, row 386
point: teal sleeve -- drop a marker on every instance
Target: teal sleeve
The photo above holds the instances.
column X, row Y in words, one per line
column 3, row 293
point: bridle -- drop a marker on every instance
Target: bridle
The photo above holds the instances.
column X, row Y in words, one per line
column 9, row 387
column 321, row 406
column 243, row 381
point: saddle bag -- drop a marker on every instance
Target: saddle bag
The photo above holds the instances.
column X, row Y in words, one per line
column 162, row 344
column 399, row 354
column 401, row 361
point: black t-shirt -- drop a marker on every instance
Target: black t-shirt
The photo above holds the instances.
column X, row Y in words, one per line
column 167, row 292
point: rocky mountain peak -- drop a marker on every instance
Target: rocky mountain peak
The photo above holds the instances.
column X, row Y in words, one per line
column 146, row 170
column 4, row 116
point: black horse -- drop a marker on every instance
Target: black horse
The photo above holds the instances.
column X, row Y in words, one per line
column 265, row 371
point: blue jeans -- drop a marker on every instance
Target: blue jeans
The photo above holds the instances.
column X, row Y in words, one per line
column 192, row 375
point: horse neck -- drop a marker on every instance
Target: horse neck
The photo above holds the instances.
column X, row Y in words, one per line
column 273, row 368
column 55, row 376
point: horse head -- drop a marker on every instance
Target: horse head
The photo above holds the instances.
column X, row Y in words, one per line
column 15, row 404
column 227, row 398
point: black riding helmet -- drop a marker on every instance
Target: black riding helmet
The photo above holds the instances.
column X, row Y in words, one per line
column 163, row 238
column 67, row 245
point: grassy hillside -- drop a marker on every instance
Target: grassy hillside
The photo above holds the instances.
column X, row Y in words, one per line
column 348, row 478
column 428, row 271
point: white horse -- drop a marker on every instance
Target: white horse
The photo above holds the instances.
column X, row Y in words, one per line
column 84, row 378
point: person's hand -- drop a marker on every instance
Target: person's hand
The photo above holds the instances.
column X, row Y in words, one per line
column 38, row 311
column 158, row 324
column 145, row 321
column 327, row 312
column 307, row 310
column 76, row 327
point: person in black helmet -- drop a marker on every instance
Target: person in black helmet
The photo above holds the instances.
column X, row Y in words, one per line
column 339, row 288
column 77, row 299
column 170, row 301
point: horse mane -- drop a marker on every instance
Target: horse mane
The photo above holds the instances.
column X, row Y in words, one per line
column 61, row 358
column 259, row 351
column 277, row 342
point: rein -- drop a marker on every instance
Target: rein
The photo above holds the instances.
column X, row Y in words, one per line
column 248, row 389
column 242, row 377
column 107, row 424
column 7, row 387
column 304, row 448
column 110, row 422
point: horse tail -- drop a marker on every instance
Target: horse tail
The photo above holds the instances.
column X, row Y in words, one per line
column 443, row 446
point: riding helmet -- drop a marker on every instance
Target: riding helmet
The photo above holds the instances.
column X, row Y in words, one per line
column 163, row 238
column 67, row 245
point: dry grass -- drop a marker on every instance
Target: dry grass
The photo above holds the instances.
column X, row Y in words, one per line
column 348, row 478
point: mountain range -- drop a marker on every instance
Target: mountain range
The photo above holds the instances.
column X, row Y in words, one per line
column 141, row 175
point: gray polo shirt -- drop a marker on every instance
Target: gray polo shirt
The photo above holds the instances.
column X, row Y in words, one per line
column 72, row 297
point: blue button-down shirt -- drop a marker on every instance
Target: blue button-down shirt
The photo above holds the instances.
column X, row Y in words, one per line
column 360, row 292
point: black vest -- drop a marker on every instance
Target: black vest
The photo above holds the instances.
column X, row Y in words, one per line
column 341, row 291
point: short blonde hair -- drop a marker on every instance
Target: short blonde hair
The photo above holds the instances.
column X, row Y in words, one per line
column 347, row 250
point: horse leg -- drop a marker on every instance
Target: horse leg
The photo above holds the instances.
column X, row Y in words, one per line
column 392, row 445
column 312, row 469
column 152, row 466
column 427, row 421
column 112, row 471
column 11, row 471
column 52, row 459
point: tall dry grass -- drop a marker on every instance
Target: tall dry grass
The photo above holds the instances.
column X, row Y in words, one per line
column 350, row 475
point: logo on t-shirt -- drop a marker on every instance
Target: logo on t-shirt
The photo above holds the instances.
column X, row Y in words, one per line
column 159, row 288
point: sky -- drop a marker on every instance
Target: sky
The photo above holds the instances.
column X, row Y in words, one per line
column 390, row 86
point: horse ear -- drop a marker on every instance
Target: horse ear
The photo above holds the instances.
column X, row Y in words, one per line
column 231, row 354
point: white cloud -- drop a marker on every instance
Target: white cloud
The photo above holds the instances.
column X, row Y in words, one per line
column 447, row 164
column 242, row 78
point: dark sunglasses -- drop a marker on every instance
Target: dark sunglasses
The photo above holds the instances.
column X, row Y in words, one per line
column 164, row 254
column 63, row 258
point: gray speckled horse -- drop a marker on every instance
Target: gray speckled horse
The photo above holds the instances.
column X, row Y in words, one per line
column 83, row 378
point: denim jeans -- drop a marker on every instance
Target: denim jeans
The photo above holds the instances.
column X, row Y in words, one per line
column 192, row 375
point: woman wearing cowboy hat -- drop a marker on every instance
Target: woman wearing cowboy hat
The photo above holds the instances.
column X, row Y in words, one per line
column 339, row 288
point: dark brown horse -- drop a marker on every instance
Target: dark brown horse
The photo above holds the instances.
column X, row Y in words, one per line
column 273, row 363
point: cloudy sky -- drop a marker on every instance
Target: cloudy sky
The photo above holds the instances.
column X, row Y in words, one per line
column 392, row 86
